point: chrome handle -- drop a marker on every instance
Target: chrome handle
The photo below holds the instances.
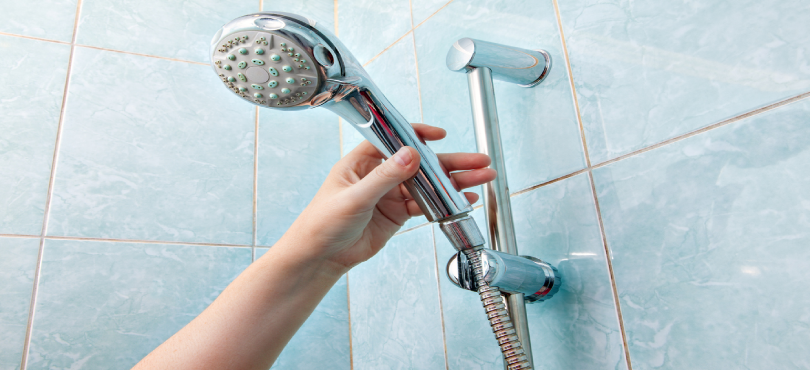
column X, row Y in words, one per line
column 375, row 118
column 482, row 62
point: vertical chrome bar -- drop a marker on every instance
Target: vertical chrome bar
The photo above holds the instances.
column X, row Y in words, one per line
column 496, row 193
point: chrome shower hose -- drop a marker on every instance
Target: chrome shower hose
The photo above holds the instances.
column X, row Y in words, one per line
column 498, row 317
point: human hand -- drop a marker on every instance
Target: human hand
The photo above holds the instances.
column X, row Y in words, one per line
column 363, row 203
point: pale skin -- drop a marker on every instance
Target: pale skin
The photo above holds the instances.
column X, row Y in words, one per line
column 360, row 206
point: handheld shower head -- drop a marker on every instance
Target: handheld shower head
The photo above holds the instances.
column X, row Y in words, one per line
column 286, row 61
column 278, row 60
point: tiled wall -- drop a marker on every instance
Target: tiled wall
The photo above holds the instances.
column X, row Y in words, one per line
column 662, row 166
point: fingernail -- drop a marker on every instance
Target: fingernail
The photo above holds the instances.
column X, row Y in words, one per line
column 402, row 157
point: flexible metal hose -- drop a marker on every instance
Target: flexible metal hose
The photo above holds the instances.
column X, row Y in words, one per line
column 498, row 317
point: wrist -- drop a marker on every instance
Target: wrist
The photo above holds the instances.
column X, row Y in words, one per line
column 307, row 254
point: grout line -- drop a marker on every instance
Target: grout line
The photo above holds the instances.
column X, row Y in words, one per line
column 403, row 36
column 31, row 308
column 406, row 34
column 46, row 214
column 416, row 65
column 439, row 288
column 111, row 240
column 336, row 18
column 610, row 271
column 349, row 310
column 412, row 228
column 34, row 38
column 549, row 182
column 434, row 13
column 73, row 43
column 142, row 55
column 388, row 47
column 21, row 236
column 573, row 88
column 589, row 170
column 740, row 117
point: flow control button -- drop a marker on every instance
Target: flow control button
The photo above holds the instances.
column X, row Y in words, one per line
column 257, row 75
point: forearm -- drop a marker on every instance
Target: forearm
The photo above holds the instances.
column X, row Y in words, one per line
column 249, row 324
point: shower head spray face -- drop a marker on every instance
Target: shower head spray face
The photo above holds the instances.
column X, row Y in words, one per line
column 275, row 60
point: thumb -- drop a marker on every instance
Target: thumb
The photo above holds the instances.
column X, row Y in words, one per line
column 396, row 169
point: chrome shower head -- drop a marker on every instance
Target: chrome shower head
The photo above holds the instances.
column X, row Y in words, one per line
column 282, row 60
column 286, row 61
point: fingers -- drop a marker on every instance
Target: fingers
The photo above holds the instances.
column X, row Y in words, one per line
column 388, row 175
column 464, row 180
column 468, row 179
column 429, row 133
column 464, row 161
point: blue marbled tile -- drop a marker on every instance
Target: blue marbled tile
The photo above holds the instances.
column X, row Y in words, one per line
column 649, row 71
column 394, row 306
column 709, row 240
column 323, row 341
column 174, row 29
column 539, row 130
column 33, row 81
column 367, row 27
column 578, row 327
column 422, row 9
column 155, row 150
column 107, row 305
column 296, row 152
column 470, row 341
column 321, row 11
column 47, row 19
column 18, row 262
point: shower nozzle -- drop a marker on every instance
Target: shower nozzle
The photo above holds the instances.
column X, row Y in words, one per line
column 286, row 61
